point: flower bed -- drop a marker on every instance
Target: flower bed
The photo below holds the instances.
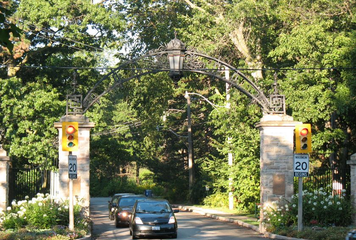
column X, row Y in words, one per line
column 320, row 211
column 42, row 218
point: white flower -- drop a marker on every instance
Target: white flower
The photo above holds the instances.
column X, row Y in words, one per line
column 44, row 215
column 40, row 195
column 330, row 203
column 8, row 208
column 40, row 204
column 314, row 203
column 294, row 205
column 338, row 203
column 27, row 197
column 324, row 207
column 340, row 208
column 313, row 208
column 13, row 203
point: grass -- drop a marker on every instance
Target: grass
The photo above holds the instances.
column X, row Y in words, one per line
column 315, row 233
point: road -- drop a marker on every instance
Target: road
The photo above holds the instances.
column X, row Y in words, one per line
column 191, row 226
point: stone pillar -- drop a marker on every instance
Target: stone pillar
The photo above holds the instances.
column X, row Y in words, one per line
column 352, row 163
column 276, row 158
column 4, row 179
column 81, row 185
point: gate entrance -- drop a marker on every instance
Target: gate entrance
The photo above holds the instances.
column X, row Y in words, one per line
column 276, row 128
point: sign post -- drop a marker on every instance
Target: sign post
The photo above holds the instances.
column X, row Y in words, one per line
column 72, row 174
column 301, row 169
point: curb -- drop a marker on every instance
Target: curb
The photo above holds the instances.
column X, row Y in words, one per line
column 87, row 237
column 237, row 222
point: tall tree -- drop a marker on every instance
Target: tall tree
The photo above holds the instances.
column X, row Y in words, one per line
column 60, row 41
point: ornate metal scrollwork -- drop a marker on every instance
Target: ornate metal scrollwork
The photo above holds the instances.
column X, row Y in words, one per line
column 157, row 61
column 74, row 105
column 277, row 104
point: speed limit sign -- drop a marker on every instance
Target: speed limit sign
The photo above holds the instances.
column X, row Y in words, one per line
column 301, row 165
column 72, row 166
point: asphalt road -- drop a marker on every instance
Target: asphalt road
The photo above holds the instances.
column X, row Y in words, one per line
column 192, row 226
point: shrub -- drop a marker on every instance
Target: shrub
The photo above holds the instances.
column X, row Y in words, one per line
column 319, row 208
column 41, row 213
column 217, row 199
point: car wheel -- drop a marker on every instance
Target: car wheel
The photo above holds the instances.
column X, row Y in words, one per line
column 117, row 224
column 130, row 232
column 134, row 236
column 174, row 235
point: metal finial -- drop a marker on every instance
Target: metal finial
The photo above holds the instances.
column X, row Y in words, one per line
column 74, row 82
column 275, row 83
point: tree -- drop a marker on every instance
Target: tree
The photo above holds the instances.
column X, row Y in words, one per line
column 57, row 38
column 8, row 30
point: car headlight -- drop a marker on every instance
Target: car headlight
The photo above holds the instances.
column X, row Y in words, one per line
column 138, row 220
column 171, row 220
column 124, row 214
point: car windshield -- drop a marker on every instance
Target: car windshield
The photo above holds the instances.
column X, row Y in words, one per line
column 127, row 202
column 152, row 207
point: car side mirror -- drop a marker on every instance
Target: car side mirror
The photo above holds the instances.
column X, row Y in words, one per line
column 176, row 210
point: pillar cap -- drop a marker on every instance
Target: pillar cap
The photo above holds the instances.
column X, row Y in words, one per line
column 3, row 154
column 352, row 160
column 2, row 151
column 81, row 119
column 277, row 120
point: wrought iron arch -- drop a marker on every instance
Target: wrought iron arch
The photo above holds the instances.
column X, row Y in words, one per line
column 162, row 60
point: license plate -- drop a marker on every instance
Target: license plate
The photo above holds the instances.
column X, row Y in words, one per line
column 156, row 228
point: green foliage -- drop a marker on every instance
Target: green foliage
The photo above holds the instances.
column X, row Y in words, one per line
column 312, row 233
column 218, row 199
column 41, row 213
column 241, row 139
column 9, row 29
column 319, row 209
column 307, row 46
column 28, row 113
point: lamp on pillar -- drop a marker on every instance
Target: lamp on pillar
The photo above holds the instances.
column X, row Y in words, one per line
column 176, row 49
